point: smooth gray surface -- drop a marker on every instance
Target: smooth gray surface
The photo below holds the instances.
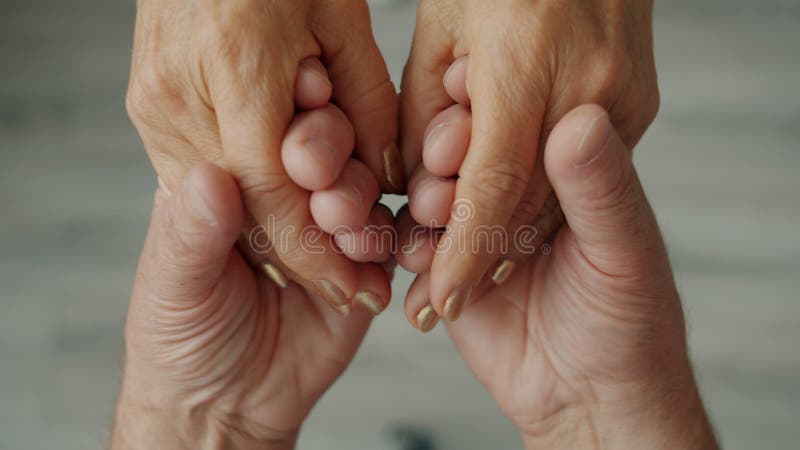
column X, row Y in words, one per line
column 719, row 164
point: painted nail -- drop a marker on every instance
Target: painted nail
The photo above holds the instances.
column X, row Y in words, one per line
column 455, row 304
column 330, row 293
column 275, row 275
column 370, row 301
column 503, row 271
column 343, row 310
column 427, row 319
column 393, row 167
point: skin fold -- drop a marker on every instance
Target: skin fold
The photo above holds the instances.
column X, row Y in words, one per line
column 218, row 82
column 583, row 348
column 524, row 65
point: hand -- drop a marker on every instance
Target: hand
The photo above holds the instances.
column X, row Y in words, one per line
column 525, row 64
column 219, row 82
column 216, row 355
column 586, row 347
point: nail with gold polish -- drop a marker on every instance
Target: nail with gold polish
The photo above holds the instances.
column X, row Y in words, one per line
column 455, row 304
column 343, row 310
column 393, row 167
column 427, row 319
column 503, row 271
column 275, row 275
column 370, row 301
column 330, row 293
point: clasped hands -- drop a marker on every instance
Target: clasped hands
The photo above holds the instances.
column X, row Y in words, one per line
column 266, row 117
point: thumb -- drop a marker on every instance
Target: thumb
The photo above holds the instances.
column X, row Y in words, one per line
column 192, row 234
column 593, row 176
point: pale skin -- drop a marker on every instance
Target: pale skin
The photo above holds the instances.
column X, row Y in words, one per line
column 582, row 349
column 216, row 81
column 524, row 64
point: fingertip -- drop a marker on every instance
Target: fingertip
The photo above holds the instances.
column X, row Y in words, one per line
column 447, row 140
column 313, row 88
column 210, row 195
column 577, row 139
column 455, row 81
column 430, row 199
column 316, row 147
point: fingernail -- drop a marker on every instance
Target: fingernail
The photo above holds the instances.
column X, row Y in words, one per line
column 317, row 69
column 196, row 202
column 352, row 195
column 321, row 151
column 275, row 275
column 416, row 244
column 596, row 135
column 164, row 187
column 330, row 293
column 343, row 310
column 433, row 135
column 455, row 304
column 503, row 271
column 370, row 301
column 427, row 319
column 393, row 167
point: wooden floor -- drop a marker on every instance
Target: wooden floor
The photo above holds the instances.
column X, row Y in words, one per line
column 720, row 165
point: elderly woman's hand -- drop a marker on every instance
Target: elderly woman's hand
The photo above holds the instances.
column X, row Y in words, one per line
column 584, row 347
column 218, row 81
column 216, row 355
column 526, row 63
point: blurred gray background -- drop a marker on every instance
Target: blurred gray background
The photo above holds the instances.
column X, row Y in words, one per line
column 720, row 165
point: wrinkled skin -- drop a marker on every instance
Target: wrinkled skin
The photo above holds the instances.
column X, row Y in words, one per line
column 524, row 64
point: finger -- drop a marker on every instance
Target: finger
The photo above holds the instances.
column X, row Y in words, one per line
column 532, row 224
column 312, row 88
column 419, row 312
column 317, row 146
column 423, row 95
column 447, row 140
column 430, row 198
column 603, row 202
column 507, row 113
column 192, row 234
column 345, row 206
column 416, row 243
column 455, row 81
column 252, row 128
column 374, row 288
column 374, row 242
column 362, row 88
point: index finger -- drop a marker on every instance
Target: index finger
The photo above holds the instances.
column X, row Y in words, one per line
column 508, row 105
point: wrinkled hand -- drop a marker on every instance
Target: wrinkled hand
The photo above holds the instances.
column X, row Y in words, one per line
column 217, row 81
column 216, row 355
column 586, row 347
column 525, row 64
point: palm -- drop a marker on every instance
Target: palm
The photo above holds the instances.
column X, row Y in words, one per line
column 253, row 350
column 537, row 340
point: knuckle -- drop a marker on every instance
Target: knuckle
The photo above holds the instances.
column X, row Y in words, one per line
column 612, row 72
column 152, row 88
column 500, row 181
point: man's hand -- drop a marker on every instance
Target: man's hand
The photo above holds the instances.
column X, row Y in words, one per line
column 216, row 81
column 216, row 355
column 585, row 347
column 526, row 64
